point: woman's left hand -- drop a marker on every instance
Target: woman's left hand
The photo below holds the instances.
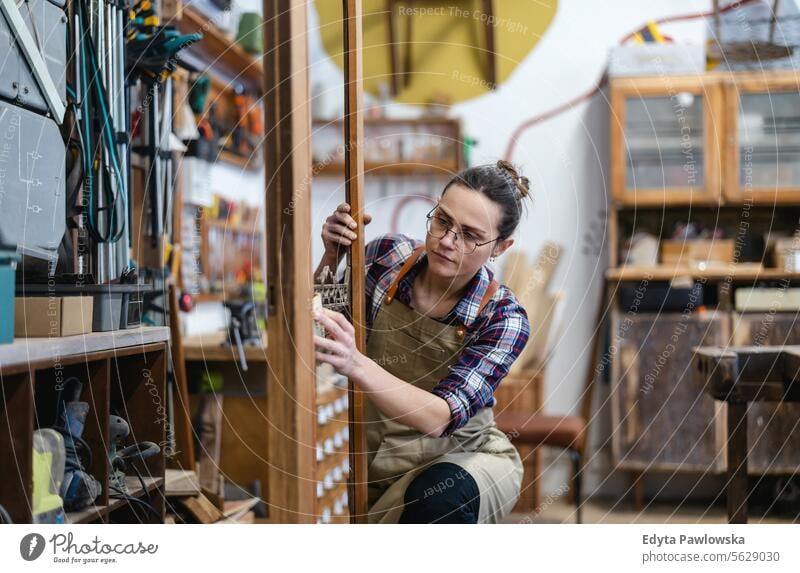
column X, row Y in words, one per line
column 339, row 348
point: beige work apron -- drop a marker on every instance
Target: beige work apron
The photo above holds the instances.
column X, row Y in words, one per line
column 420, row 350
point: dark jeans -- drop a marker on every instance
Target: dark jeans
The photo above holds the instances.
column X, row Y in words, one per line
column 442, row 493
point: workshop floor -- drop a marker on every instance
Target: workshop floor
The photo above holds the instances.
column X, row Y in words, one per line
column 601, row 511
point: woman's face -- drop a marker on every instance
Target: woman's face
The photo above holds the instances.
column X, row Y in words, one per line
column 468, row 213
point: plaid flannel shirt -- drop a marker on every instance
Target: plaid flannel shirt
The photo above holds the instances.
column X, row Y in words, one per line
column 496, row 338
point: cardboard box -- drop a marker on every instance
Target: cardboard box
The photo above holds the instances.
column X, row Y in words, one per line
column 47, row 316
column 696, row 250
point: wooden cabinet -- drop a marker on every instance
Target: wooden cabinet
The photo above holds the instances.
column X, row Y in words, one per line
column 665, row 140
column 716, row 151
column 717, row 138
column 661, row 418
column 762, row 138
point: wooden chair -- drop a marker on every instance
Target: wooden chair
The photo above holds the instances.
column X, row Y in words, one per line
column 535, row 430
column 521, row 393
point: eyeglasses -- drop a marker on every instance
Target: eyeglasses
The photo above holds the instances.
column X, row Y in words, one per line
column 438, row 227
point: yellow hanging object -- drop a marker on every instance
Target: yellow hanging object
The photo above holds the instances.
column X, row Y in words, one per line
column 650, row 34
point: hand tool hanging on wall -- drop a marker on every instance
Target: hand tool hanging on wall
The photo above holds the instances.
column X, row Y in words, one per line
column 152, row 57
column 99, row 100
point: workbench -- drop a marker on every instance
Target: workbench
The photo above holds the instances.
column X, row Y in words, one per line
column 739, row 376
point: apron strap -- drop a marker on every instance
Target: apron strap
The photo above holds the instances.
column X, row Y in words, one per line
column 461, row 330
column 487, row 296
column 403, row 271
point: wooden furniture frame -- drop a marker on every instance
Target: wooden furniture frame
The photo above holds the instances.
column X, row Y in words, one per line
column 722, row 202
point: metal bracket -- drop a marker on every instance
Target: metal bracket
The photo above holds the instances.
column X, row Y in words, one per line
column 34, row 59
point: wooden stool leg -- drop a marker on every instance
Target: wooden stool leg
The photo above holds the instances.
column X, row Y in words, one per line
column 577, row 482
column 536, row 489
column 637, row 485
column 737, row 462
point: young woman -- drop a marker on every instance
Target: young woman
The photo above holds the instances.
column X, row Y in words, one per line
column 441, row 335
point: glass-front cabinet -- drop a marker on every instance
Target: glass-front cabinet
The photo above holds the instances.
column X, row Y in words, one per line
column 665, row 140
column 762, row 141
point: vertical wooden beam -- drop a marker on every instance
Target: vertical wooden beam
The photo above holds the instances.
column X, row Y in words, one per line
column 393, row 63
column 354, row 186
column 290, row 350
column 491, row 49
column 407, row 48
column 182, row 418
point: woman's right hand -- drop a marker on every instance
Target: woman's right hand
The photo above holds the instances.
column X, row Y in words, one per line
column 339, row 230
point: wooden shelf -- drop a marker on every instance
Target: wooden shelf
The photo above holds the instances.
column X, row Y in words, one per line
column 219, row 50
column 209, row 348
column 239, row 161
column 448, row 128
column 88, row 515
column 26, row 351
column 383, row 121
column 249, row 228
column 732, row 272
column 444, row 168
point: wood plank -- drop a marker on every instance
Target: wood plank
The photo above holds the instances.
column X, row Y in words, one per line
column 201, row 509
column 354, row 195
column 180, row 483
column 291, row 377
column 733, row 271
